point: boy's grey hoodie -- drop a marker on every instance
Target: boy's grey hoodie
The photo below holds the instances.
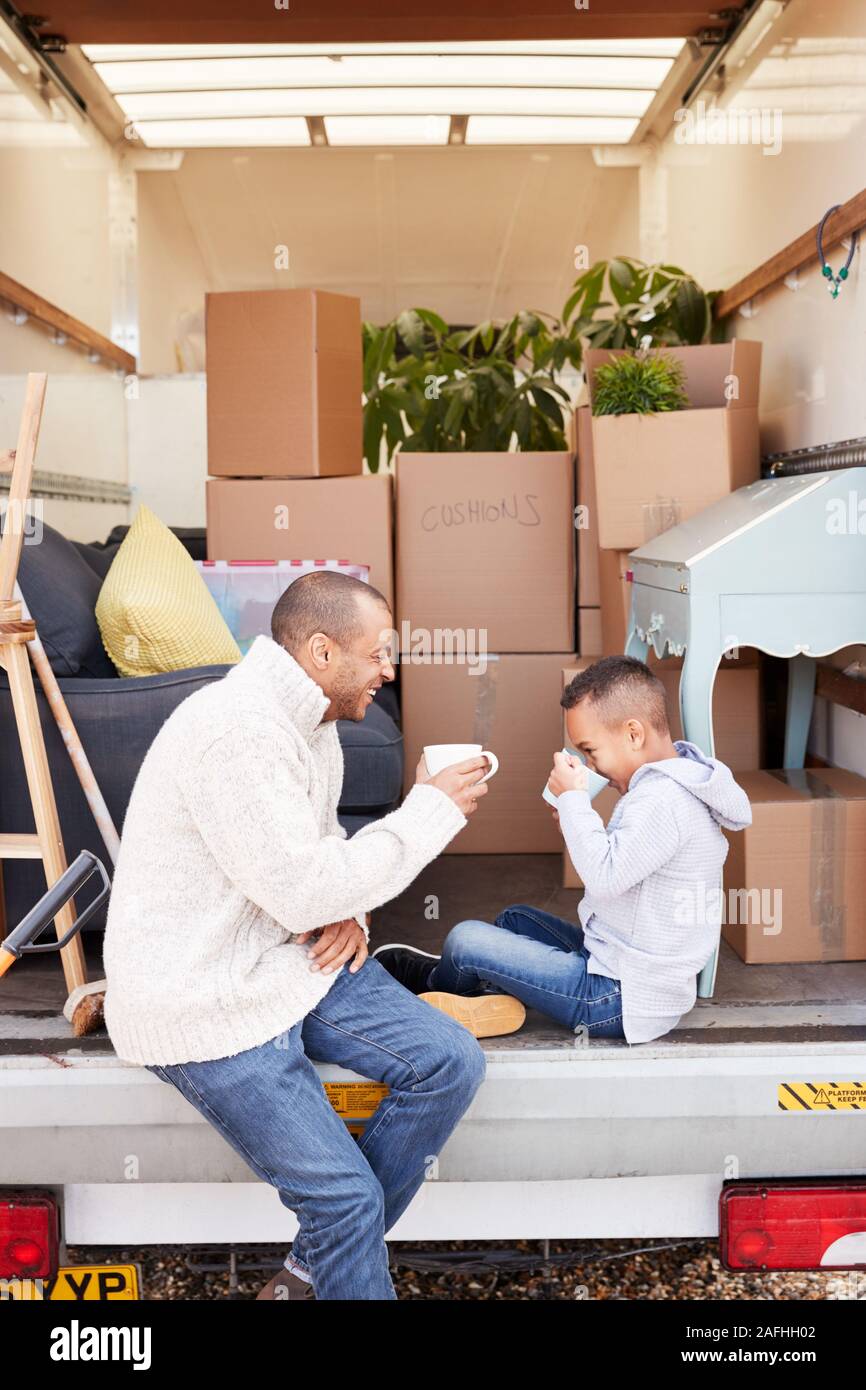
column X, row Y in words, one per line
column 651, row 912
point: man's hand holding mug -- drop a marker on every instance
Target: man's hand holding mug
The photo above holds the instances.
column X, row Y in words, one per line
column 460, row 770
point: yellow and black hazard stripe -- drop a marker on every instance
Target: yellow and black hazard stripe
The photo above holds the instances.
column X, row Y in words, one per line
column 822, row 1095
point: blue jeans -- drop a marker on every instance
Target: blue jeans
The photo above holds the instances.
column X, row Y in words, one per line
column 539, row 959
column 269, row 1104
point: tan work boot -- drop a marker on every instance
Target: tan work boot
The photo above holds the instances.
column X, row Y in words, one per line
column 485, row 1015
column 286, row 1286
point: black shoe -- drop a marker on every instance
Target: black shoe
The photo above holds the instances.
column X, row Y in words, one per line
column 407, row 964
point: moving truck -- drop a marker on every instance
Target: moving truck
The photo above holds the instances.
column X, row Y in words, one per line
column 565, row 1138
column 725, row 1127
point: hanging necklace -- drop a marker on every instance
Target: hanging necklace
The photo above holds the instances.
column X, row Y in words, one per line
column 834, row 282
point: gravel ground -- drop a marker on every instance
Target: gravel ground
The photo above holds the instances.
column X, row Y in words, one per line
column 608, row 1269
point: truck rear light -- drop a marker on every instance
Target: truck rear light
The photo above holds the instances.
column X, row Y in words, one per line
column 800, row 1224
column 28, row 1235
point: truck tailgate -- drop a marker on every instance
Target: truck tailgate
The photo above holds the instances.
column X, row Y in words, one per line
column 597, row 1139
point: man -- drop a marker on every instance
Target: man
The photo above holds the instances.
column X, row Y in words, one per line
column 231, row 861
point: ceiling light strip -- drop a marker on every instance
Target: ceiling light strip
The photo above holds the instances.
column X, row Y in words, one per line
column 387, row 101
column 553, row 130
column 577, row 48
column 458, row 70
column 247, row 131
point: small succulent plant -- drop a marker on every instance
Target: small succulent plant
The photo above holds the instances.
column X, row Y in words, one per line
column 639, row 383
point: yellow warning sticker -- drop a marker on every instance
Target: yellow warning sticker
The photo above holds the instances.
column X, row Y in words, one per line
column 356, row 1100
column 822, row 1095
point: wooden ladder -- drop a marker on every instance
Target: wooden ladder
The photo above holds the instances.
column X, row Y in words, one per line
column 15, row 632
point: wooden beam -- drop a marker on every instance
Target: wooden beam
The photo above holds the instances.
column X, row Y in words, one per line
column 840, row 689
column 16, row 846
column 850, row 218
column 19, row 491
column 385, row 21
column 48, row 314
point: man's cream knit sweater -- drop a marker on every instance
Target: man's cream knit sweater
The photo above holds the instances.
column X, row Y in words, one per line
column 230, row 847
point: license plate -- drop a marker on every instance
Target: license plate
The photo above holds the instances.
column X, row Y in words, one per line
column 77, row 1283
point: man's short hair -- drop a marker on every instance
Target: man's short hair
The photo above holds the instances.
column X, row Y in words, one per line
column 620, row 688
column 322, row 601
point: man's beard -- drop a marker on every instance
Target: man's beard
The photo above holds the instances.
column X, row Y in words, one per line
column 347, row 697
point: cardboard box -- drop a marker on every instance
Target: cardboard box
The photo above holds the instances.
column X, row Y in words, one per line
column 736, row 725
column 486, row 542
column 304, row 519
column 653, row 471
column 802, row 862
column 615, row 610
column 513, row 709
column 588, row 585
column 284, row 378
column 589, row 639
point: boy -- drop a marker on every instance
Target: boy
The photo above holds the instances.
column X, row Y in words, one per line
column 650, row 913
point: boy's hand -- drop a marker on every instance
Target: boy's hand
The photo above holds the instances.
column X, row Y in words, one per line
column 568, row 775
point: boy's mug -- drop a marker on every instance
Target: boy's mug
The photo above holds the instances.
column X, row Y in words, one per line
column 438, row 756
column 594, row 783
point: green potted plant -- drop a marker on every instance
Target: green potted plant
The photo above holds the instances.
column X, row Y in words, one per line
column 492, row 388
column 625, row 303
column 639, row 384
column 652, row 466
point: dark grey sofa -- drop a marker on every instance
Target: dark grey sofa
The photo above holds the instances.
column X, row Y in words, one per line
column 117, row 719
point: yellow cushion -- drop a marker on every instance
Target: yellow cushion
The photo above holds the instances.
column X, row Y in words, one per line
column 154, row 610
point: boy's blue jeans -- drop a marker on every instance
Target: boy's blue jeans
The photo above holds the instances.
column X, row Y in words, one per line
column 269, row 1104
column 539, row 959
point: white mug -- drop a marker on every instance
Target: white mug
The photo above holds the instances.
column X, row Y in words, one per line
column 594, row 783
column 438, row 756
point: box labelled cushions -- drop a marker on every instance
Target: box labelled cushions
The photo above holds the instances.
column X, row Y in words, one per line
column 486, row 542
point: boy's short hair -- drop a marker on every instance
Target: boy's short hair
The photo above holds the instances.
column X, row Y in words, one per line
column 620, row 688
